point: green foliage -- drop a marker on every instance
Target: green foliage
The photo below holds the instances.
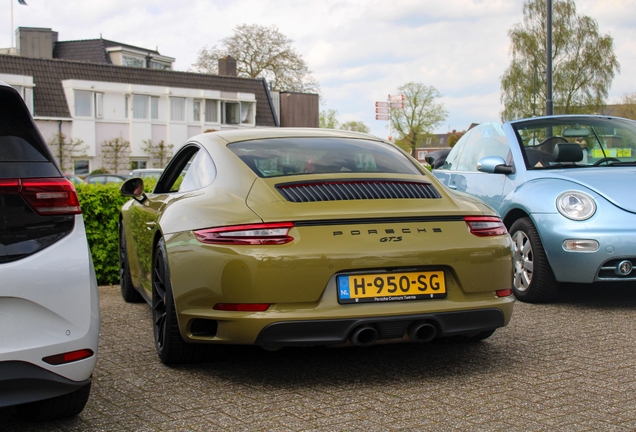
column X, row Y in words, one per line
column 328, row 119
column 356, row 126
column 101, row 204
column 420, row 115
column 583, row 63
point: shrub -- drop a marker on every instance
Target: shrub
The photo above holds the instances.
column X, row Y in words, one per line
column 101, row 204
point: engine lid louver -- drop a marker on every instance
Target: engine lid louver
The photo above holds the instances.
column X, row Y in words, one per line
column 343, row 190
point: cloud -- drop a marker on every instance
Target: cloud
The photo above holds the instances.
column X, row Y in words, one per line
column 359, row 50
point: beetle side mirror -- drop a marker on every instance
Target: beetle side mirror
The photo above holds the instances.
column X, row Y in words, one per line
column 494, row 165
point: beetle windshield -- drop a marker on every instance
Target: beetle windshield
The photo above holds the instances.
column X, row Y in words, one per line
column 292, row 156
column 574, row 141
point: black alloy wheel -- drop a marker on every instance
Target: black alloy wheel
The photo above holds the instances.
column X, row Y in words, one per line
column 171, row 348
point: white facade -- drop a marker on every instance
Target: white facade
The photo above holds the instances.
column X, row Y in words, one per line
column 101, row 111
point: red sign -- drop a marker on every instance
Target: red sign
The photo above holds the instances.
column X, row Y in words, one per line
column 382, row 111
column 382, row 104
column 397, row 105
column 396, row 98
column 381, row 116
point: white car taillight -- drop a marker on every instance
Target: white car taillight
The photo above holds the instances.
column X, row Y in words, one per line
column 47, row 196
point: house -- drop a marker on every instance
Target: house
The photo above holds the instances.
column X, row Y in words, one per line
column 97, row 90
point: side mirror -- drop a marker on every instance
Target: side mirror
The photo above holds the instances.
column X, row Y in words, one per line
column 494, row 165
column 133, row 188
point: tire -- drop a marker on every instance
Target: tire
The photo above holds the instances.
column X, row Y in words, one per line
column 59, row 407
column 128, row 291
column 171, row 348
column 533, row 280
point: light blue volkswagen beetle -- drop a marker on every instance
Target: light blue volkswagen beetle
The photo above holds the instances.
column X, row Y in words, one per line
column 565, row 187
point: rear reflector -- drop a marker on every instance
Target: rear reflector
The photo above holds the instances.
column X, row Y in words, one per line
column 68, row 357
column 242, row 307
column 504, row 292
column 47, row 196
column 253, row 234
column 485, row 226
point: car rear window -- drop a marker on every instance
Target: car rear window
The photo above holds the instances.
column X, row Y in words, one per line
column 23, row 152
column 278, row 157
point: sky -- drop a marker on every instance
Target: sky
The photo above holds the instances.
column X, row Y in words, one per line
column 360, row 51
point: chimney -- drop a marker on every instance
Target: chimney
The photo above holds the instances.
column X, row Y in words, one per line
column 227, row 66
column 35, row 42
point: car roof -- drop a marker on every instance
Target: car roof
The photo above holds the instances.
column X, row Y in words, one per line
column 237, row 135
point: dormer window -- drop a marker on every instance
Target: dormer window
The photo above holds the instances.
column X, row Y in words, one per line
column 132, row 61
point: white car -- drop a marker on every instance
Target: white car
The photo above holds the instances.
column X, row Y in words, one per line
column 146, row 172
column 49, row 308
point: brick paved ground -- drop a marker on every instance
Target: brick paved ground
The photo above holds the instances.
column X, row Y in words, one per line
column 569, row 365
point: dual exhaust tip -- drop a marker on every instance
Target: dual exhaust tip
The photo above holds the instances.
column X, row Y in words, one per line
column 366, row 335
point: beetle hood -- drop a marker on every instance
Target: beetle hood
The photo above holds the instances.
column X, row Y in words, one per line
column 612, row 183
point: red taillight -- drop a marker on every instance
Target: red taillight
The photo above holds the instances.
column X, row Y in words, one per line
column 253, row 234
column 485, row 226
column 48, row 196
column 242, row 307
column 504, row 292
column 68, row 357
column 9, row 186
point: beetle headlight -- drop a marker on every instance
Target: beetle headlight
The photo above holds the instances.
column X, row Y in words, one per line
column 576, row 205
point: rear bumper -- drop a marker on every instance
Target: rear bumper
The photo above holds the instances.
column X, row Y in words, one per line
column 335, row 332
column 22, row 382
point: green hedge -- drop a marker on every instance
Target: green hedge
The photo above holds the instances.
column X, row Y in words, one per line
column 100, row 208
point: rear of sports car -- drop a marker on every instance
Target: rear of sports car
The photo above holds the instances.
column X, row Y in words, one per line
column 378, row 251
column 49, row 311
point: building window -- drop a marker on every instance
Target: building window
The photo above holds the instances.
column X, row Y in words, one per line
column 138, row 164
column 177, row 109
column 211, row 111
column 27, row 95
column 157, row 65
column 196, row 110
column 126, row 105
column 231, row 112
column 154, row 107
column 140, row 106
column 421, row 154
column 441, row 141
column 83, row 103
column 428, row 140
column 247, row 110
column 81, row 166
column 99, row 105
column 132, row 61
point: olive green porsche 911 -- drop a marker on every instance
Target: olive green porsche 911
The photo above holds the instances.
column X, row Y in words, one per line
column 301, row 237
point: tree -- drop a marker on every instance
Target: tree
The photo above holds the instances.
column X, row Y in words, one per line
column 160, row 152
column 420, row 114
column 454, row 137
column 328, row 120
column 583, row 63
column 356, row 126
column 626, row 108
column 66, row 149
column 115, row 155
column 261, row 52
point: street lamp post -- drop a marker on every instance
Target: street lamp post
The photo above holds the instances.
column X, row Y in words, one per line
column 549, row 105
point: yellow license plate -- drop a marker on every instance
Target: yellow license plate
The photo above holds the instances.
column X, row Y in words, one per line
column 385, row 287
